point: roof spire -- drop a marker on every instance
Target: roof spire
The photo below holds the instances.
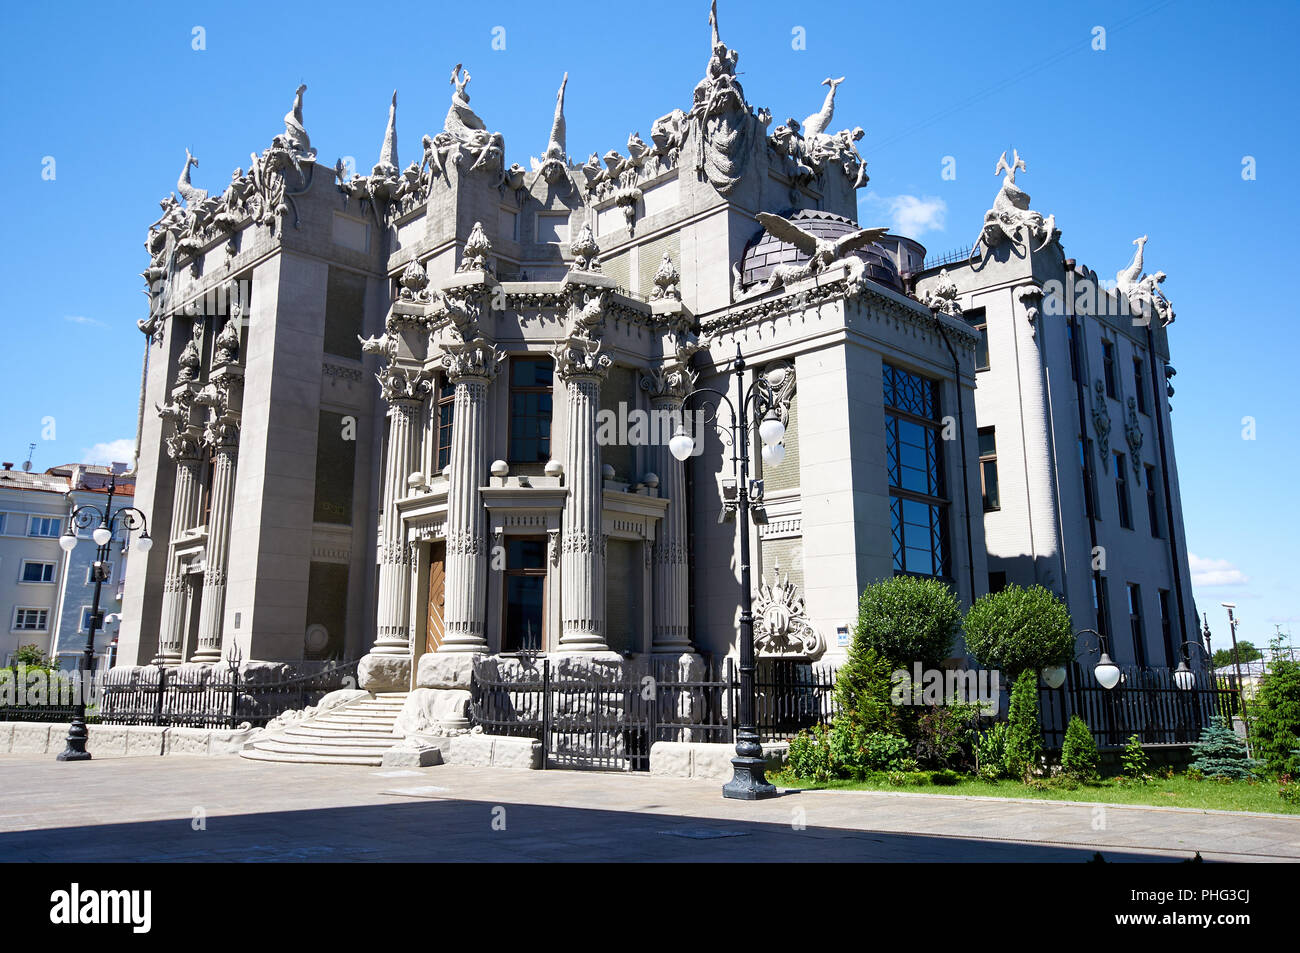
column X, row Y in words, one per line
column 387, row 164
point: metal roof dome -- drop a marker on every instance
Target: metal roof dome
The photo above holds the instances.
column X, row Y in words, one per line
column 766, row 251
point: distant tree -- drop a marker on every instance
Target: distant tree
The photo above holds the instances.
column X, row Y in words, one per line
column 1275, row 714
column 1246, row 651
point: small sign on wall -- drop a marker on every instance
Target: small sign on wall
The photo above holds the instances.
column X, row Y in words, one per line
column 842, row 635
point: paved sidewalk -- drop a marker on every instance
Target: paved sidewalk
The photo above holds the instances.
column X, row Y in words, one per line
column 143, row 809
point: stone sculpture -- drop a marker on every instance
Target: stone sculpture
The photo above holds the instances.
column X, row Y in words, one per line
column 584, row 250
column 1011, row 219
column 822, row 252
column 1143, row 291
column 724, row 120
column 942, row 296
column 781, row 623
column 665, row 280
column 554, row 164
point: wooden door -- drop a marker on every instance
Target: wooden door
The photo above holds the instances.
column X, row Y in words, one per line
column 435, row 625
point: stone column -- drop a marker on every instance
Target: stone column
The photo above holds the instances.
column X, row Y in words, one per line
column 222, row 436
column 183, row 447
column 582, row 561
column 471, row 367
column 404, row 390
column 667, row 387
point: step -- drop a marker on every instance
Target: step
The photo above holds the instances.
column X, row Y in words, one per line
column 283, row 756
column 338, row 749
column 329, row 728
column 308, row 735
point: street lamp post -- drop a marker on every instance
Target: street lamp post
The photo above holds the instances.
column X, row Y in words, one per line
column 83, row 517
column 1107, row 672
column 748, row 781
column 1236, row 662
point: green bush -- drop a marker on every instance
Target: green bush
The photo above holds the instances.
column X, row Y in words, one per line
column 1079, row 759
column 990, row 751
column 854, row 751
column 809, row 758
column 862, row 691
column 1024, row 736
column 1135, row 760
column 945, row 777
column 907, row 619
column 1018, row 629
column 1275, row 715
column 944, row 735
column 1221, row 753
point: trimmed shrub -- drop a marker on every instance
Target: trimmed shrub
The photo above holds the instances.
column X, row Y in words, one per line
column 1079, row 759
column 1018, row 629
column 1221, row 753
column 907, row 619
column 1024, row 736
column 1275, row 716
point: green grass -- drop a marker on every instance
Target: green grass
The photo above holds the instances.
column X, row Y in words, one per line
column 1178, row 791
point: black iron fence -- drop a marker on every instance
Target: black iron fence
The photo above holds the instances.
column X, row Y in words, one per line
column 590, row 717
column 210, row 696
column 1147, row 702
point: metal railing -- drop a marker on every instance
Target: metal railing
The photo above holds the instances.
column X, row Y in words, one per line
column 587, row 719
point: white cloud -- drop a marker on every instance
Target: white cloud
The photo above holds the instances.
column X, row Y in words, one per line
column 82, row 319
column 1210, row 573
column 909, row 215
column 114, row 451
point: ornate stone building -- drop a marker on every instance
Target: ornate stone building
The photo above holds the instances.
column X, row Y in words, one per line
column 535, row 334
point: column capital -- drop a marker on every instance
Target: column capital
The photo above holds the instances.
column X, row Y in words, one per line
column 478, row 359
column 669, row 381
column 579, row 357
column 185, row 445
column 399, row 384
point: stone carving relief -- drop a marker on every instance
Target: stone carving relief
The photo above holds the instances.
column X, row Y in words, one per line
column 1101, row 421
column 1143, row 291
column 1011, row 219
column 721, row 118
column 413, row 283
column 666, row 280
column 809, row 149
column 584, row 250
column 781, row 623
column 1133, row 434
column 477, row 251
column 780, row 378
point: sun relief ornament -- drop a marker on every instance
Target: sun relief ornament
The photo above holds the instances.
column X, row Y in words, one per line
column 781, row 623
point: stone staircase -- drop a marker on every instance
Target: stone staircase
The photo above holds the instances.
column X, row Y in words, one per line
column 358, row 732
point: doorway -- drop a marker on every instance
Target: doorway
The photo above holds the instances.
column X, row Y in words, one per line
column 435, row 627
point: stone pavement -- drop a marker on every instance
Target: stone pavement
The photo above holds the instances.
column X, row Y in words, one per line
column 137, row 809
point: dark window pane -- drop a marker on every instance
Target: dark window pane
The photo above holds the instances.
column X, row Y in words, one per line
column 345, row 298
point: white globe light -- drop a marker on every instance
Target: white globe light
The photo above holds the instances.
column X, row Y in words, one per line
column 101, row 536
column 144, row 544
column 1054, row 676
column 771, row 429
column 773, row 454
column 1107, row 672
column 68, row 542
column 681, row 446
column 1184, row 677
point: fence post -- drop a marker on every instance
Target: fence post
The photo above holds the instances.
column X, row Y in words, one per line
column 162, row 690
column 546, row 712
column 234, row 697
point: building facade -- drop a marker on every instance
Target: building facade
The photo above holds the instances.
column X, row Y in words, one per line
column 46, row 594
column 537, row 336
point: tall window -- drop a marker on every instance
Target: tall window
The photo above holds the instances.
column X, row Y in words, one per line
column 1135, row 622
column 918, row 506
column 336, row 464
column 1140, row 384
column 989, row 469
column 345, row 302
column 1072, row 335
column 976, row 319
column 1121, row 491
column 1153, row 504
column 1089, row 490
column 525, row 593
column 1108, row 363
column 530, row 410
column 1167, row 630
column 445, row 411
column 1101, row 603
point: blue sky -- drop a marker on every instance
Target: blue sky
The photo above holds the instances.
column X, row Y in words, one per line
column 1145, row 136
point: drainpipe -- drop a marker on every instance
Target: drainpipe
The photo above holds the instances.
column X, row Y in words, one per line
column 1089, row 486
column 961, row 427
column 1158, row 407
